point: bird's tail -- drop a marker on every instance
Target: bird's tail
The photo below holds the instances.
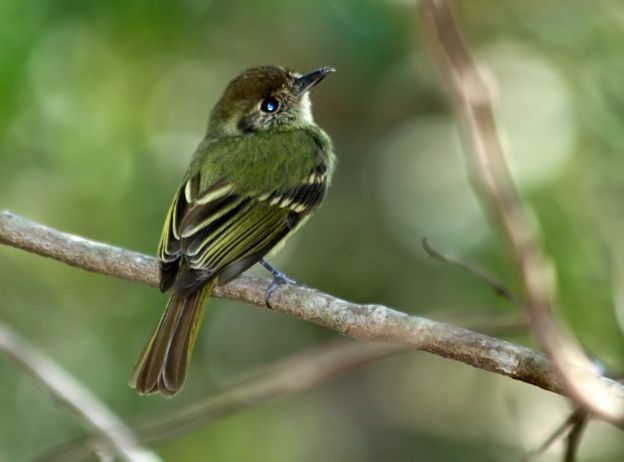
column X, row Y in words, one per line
column 162, row 364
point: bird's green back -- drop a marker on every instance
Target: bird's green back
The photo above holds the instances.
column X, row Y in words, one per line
column 274, row 160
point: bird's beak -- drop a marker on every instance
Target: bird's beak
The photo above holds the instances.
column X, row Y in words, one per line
column 307, row 81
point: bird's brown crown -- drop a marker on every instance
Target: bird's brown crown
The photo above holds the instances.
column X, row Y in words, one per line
column 263, row 98
column 256, row 83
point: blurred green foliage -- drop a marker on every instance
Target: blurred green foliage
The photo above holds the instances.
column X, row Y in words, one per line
column 102, row 104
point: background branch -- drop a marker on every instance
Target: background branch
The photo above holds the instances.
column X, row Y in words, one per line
column 65, row 389
column 296, row 373
column 365, row 322
column 474, row 102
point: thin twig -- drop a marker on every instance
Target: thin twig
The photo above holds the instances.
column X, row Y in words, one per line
column 475, row 105
column 366, row 322
column 560, row 432
column 91, row 412
column 294, row 374
column 573, row 440
column 489, row 279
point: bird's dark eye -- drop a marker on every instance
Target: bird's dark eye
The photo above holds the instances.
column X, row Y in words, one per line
column 269, row 105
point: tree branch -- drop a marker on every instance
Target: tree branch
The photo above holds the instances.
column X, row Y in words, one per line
column 365, row 322
column 92, row 413
column 475, row 105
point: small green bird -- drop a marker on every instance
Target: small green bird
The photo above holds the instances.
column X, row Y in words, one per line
column 263, row 167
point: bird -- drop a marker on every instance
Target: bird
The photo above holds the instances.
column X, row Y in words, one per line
column 262, row 168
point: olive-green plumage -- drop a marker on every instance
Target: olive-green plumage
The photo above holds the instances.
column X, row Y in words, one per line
column 261, row 170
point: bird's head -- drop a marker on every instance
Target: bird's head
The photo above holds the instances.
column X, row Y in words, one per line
column 264, row 98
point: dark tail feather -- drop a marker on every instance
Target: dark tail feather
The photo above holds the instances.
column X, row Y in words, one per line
column 162, row 364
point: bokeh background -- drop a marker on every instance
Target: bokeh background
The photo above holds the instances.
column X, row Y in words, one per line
column 102, row 104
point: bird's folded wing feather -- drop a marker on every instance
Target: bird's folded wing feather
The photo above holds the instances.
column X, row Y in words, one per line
column 220, row 232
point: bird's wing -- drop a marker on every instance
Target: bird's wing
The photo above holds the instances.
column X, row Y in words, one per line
column 219, row 231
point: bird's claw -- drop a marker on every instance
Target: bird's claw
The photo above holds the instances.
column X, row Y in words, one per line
column 279, row 278
column 277, row 281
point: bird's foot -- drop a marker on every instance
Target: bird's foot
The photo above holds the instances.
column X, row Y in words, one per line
column 279, row 278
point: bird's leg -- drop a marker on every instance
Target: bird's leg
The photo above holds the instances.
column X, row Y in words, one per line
column 278, row 279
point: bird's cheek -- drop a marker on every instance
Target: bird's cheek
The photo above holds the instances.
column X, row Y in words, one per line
column 246, row 124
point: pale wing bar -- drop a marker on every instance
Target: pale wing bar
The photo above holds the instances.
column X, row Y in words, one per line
column 216, row 229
